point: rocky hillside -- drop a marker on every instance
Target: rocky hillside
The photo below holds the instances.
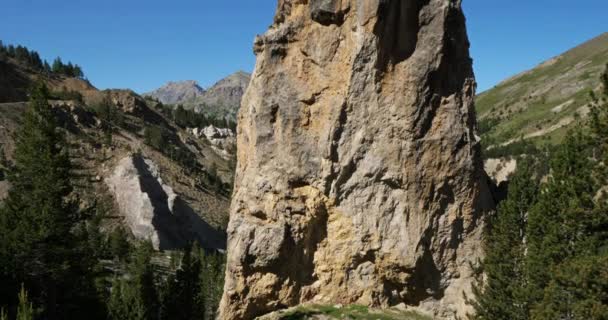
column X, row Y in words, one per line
column 165, row 183
column 541, row 104
column 222, row 100
column 359, row 176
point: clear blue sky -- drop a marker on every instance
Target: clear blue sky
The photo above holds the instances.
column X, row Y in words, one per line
column 141, row 44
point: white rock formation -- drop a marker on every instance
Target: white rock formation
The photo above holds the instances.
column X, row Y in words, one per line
column 223, row 140
column 153, row 211
column 500, row 169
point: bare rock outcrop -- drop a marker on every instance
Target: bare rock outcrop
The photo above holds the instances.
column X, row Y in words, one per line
column 500, row 170
column 359, row 177
column 153, row 211
column 223, row 140
column 127, row 100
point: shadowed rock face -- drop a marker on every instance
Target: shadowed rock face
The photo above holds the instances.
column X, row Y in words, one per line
column 154, row 212
column 359, row 179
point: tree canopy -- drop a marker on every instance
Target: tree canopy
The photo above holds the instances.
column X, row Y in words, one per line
column 32, row 59
column 547, row 252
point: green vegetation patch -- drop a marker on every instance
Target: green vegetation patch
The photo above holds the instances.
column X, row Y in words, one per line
column 525, row 105
column 354, row 312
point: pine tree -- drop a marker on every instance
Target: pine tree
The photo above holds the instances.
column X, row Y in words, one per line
column 69, row 69
column 25, row 310
column 195, row 291
column 211, row 283
column 37, row 245
column 124, row 302
column 11, row 51
column 136, row 298
column 58, row 66
column 118, row 244
column 567, row 259
column 501, row 294
column 22, row 54
column 35, row 61
column 557, row 219
column 179, row 301
column 180, row 116
column 78, row 71
column 578, row 290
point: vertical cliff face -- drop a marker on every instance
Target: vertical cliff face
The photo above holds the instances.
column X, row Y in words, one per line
column 359, row 177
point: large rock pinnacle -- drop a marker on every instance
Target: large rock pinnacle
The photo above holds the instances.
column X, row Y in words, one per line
column 359, row 177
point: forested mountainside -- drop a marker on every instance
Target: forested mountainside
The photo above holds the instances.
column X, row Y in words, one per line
column 547, row 244
column 111, row 205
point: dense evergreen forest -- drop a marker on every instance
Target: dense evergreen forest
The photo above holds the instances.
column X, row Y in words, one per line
column 55, row 261
column 547, row 249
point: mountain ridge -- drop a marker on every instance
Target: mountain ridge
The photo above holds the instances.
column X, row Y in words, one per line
column 221, row 100
column 541, row 103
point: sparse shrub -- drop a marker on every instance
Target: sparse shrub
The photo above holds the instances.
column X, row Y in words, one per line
column 67, row 95
column 486, row 125
column 155, row 137
column 517, row 148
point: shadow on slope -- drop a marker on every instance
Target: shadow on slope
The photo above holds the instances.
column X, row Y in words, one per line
column 176, row 223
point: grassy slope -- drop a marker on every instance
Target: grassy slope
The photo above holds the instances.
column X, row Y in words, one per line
column 354, row 312
column 526, row 105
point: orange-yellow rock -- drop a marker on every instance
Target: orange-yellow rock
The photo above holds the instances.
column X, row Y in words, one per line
column 359, row 178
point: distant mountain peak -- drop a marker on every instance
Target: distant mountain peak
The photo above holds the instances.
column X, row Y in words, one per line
column 237, row 79
column 192, row 83
column 221, row 99
column 177, row 92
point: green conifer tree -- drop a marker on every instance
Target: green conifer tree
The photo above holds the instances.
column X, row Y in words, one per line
column 180, row 299
column 47, row 67
column 25, row 310
column 556, row 220
column 568, row 230
column 501, row 295
column 211, row 283
column 118, row 244
column 78, row 71
column 180, row 116
column 58, row 66
column 37, row 245
column 136, row 297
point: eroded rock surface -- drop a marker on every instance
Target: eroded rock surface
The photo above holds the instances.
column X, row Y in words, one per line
column 153, row 211
column 127, row 101
column 500, row 170
column 359, row 177
column 222, row 140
